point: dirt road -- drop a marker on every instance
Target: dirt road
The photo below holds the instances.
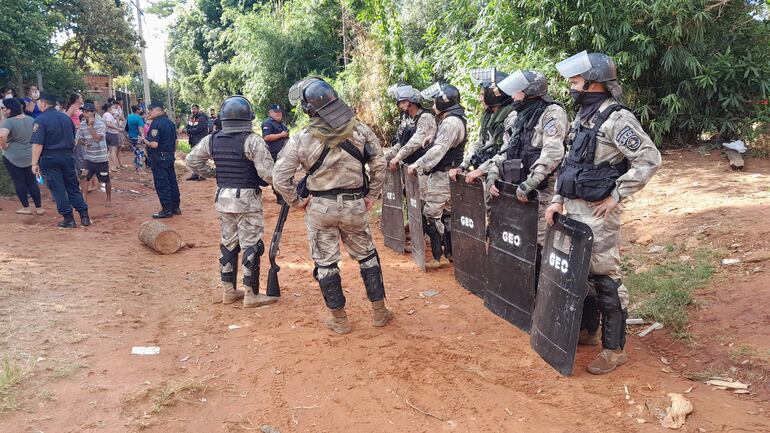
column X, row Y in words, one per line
column 74, row 302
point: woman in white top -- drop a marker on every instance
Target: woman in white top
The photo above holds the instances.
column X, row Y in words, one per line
column 113, row 136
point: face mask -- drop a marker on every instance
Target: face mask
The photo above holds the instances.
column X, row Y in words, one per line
column 575, row 94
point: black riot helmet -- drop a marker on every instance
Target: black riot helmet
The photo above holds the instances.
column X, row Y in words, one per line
column 594, row 68
column 444, row 96
column 236, row 108
column 318, row 98
column 312, row 94
column 488, row 79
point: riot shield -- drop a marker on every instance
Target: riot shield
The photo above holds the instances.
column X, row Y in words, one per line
column 469, row 234
column 512, row 256
column 414, row 212
column 562, row 287
column 393, row 211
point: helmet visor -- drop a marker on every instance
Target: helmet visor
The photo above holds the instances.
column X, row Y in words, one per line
column 432, row 92
column 483, row 76
column 575, row 65
column 295, row 92
column 513, row 83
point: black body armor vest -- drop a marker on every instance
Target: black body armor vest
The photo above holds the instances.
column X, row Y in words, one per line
column 234, row 170
column 521, row 155
column 407, row 134
column 454, row 156
column 578, row 176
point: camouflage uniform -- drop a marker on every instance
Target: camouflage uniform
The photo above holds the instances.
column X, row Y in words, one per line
column 331, row 218
column 621, row 137
column 240, row 210
column 451, row 133
column 426, row 127
column 548, row 135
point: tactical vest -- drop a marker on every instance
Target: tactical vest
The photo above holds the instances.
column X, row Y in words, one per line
column 407, row 134
column 234, row 170
column 487, row 151
column 578, row 176
column 521, row 152
column 454, row 156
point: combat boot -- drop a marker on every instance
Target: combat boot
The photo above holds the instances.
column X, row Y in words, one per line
column 607, row 361
column 380, row 314
column 85, row 220
column 231, row 295
column 338, row 321
column 251, row 299
column 68, row 222
column 588, row 339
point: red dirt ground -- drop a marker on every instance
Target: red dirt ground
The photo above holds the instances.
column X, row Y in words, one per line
column 74, row 302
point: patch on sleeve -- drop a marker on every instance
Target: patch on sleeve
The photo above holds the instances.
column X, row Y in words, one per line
column 550, row 128
column 154, row 132
column 35, row 127
column 629, row 138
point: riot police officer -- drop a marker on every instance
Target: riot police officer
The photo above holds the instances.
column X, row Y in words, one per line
column 444, row 153
column 53, row 143
column 416, row 125
column 497, row 108
column 334, row 149
column 533, row 143
column 610, row 157
column 243, row 166
column 274, row 131
column 161, row 143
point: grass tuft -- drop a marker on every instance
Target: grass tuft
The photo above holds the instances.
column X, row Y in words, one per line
column 11, row 374
column 173, row 392
column 664, row 292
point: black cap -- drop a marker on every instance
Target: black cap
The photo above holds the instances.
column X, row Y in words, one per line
column 48, row 97
column 155, row 104
column 275, row 107
column 88, row 106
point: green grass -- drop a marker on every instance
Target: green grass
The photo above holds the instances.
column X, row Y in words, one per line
column 665, row 290
column 183, row 146
column 11, row 374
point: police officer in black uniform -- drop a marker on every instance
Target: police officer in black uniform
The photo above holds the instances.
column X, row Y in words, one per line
column 274, row 131
column 160, row 143
column 53, row 143
column 197, row 128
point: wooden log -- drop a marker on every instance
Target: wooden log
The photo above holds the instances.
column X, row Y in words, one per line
column 736, row 160
column 160, row 237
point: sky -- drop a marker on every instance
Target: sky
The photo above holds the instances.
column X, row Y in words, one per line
column 155, row 36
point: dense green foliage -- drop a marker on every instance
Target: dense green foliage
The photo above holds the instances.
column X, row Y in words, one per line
column 688, row 67
column 63, row 39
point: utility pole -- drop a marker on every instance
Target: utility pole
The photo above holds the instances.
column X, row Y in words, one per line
column 168, row 88
column 145, row 78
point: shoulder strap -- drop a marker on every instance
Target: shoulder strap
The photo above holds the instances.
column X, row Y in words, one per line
column 319, row 161
column 348, row 147
column 604, row 115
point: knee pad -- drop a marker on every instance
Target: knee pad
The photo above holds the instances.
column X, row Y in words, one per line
column 251, row 261
column 372, row 277
column 606, row 292
column 331, row 287
column 228, row 257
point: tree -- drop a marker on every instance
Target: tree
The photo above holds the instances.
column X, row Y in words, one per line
column 99, row 36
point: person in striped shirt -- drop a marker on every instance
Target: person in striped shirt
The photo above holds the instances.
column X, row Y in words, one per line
column 92, row 134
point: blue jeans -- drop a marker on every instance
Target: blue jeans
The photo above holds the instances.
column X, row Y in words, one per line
column 59, row 171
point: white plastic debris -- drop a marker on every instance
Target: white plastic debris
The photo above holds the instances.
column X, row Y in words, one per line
column 145, row 350
column 728, row 262
column 654, row 326
column 737, row 145
column 231, row 327
column 634, row 321
column 429, row 293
